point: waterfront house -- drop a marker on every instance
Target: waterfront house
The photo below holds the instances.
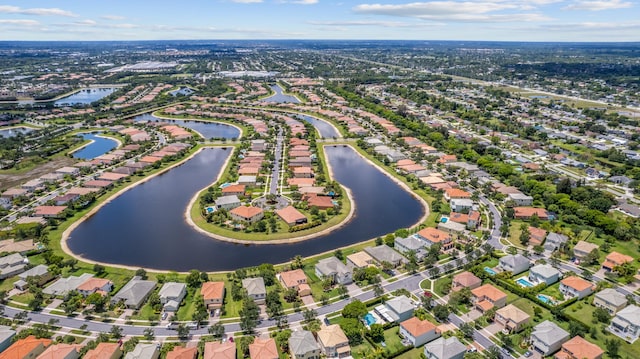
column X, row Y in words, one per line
column 333, row 268
column 247, row 214
column 104, row 351
column 461, row 204
column 465, row 280
column 547, row 338
column 316, row 200
column 611, row 300
column 6, row 335
column 39, row 272
column 512, row 318
column 179, row 352
column 93, row 285
column 399, row 308
column 302, row 172
column 576, row 287
column 234, row 190
column 520, row 199
column 514, row 263
column 49, row 211
column 333, row 342
column 528, row 212
column 295, row 279
column 360, row 259
column 291, row 216
column 543, row 273
column 263, row 349
column 134, row 293
column 487, row 296
column 64, row 285
column 27, row 348
column 582, row 249
column 435, row 236
column 227, row 202
column 578, row 348
column 171, row 295
column 213, row 295
column 456, row 193
column 452, row 227
column 408, row 244
column 445, row 348
column 255, row 289
column 61, row 351
column 536, row 236
column 615, row 259
column 303, row 345
column 418, row 332
column 12, row 264
column 384, row 253
column 247, row 180
column 626, row 323
column 217, row 350
column 144, row 351
column 554, row 241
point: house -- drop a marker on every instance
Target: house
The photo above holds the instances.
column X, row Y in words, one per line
column 104, row 351
column 213, row 295
column 512, row 318
column 6, row 335
column 474, row 220
column 578, row 348
column 92, row 285
column 456, row 193
column 465, row 280
column 520, row 199
column 435, row 236
column 576, row 287
column 445, row 348
column 582, row 249
column 461, row 204
column 626, row 323
column 400, row 308
column 135, row 292
column 384, row 253
column 171, row 295
column 333, row 268
column 360, row 259
column 418, row 332
column 487, row 296
column 27, row 348
column 611, row 300
column 40, row 271
column 291, row 216
column 543, row 273
column 554, row 241
column 255, row 289
column 547, row 338
column 303, row 345
column 61, row 351
column 263, row 349
column 64, row 285
column 514, row 263
column 247, row 214
column 216, row 350
column 333, row 342
column 11, row 265
column 144, row 351
column 49, row 211
column 408, row 244
column 295, row 279
column 615, row 259
column 536, row 236
column 247, row 180
column 227, row 202
column 528, row 212
column 179, row 352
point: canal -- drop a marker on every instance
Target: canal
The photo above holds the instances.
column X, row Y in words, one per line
column 207, row 129
column 279, row 96
column 98, row 147
column 85, row 96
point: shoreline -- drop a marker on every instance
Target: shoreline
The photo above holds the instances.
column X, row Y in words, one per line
column 117, row 141
column 59, row 97
column 201, row 120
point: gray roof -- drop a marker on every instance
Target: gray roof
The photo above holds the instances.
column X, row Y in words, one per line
column 172, row 289
column 6, row 333
column 465, row 202
column 331, row 265
column 40, row 269
column 514, row 260
column 227, row 200
column 384, row 253
column 519, row 196
column 411, row 243
column 630, row 313
column 11, row 260
column 302, row 342
column 64, row 285
column 544, row 270
column 447, row 348
column 254, row 286
column 142, row 351
column 549, row 332
column 135, row 291
column 556, row 238
column 612, row 296
column 400, row 304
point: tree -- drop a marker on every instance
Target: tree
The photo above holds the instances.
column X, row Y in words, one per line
column 155, row 302
column 612, row 347
column 243, row 344
column 141, row 273
column 291, row 295
column 376, row 332
column 193, row 279
column 249, row 314
column 601, row 315
column 309, row 315
column 356, row 309
column 282, row 340
column 524, row 234
column 116, row 332
column 467, row 330
column 576, row 328
column 149, row 334
column 216, row 330
column 99, row 269
column 352, row 328
column 378, row 291
column 338, row 254
column 183, row 331
column 297, row 262
column 441, row 312
column 343, row 291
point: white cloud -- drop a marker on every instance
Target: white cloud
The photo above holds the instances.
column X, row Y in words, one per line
column 112, row 17
column 247, row 1
column 598, row 5
column 304, row 2
column 9, row 9
column 19, row 22
column 86, row 22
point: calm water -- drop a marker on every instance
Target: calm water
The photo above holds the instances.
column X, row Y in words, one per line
column 12, row 132
column 207, row 129
column 98, row 147
column 279, row 96
column 85, row 96
column 151, row 230
column 324, row 128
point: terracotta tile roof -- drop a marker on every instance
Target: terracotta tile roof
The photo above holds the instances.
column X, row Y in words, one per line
column 212, row 290
column 60, row 351
column 21, row 348
column 93, row 284
column 215, row 350
column 182, row 353
column 484, row 305
column 417, row 327
column 49, row 210
column 234, row 188
column 290, row 215
column 293, row 278
column 457, row 193
column 614, row 258
column 526, row 212
column 488, row 291
column 458, row 217
column 579, row 348
column 102, row 351
column 263, row 349
column 466, row 279
column 576, row 283
column 246, row 212
column 474, row 216
column 434, row 235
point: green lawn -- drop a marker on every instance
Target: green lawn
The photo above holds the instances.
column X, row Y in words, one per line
column 360, row 350
column 392, row 340
column 528, row 306
column 411, row 354
column 188, row 305
column 146, row 313
column 439, row 285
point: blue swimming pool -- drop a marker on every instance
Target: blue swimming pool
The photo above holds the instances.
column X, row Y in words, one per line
column 444, row 219
column 544, row 299
column 225, row 185
column 369, row 319
column 489, row 270
column 524, row 282
column 210, row 209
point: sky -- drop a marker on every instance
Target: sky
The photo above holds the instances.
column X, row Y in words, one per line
column 490, row 20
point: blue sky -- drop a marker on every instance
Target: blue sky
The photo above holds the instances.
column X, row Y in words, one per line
column 508, row 20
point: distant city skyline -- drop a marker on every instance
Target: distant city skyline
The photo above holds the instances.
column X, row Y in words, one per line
column 477, row 20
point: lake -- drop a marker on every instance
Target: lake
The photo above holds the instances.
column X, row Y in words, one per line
column 325, row 129
column 279, row 96
column 207, row 129
column 13, row 132
column 85, row 96
column 145, row 226
column 98, row 147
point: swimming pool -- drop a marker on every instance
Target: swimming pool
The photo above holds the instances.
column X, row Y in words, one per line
column 444, row 219
column 369, row 319
column 524, row 282
column 489, row 270
column 225, row 185
column 210, row 209
column 544, row 299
